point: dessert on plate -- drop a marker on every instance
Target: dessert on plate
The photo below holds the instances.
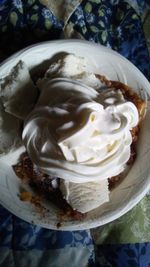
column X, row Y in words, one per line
column 79, row 134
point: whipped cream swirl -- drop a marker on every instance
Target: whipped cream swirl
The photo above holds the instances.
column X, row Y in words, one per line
column 78, row 133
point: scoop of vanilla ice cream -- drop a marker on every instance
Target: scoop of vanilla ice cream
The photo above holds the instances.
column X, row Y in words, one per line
column 67, row 66
column 72, row 67
column 87, row 196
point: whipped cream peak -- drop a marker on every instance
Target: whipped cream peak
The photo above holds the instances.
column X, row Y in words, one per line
column 77, row 135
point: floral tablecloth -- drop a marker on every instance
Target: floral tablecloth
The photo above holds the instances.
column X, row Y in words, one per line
column 124, row 26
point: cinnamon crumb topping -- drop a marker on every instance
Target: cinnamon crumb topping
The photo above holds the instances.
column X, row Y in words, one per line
column 42, row 184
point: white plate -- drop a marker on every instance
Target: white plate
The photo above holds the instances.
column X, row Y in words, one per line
column 126, row 195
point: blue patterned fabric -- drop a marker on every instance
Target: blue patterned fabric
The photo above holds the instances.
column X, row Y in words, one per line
column 137, row 255
column 114, row 24
column 31, row 236
column 55, row 246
